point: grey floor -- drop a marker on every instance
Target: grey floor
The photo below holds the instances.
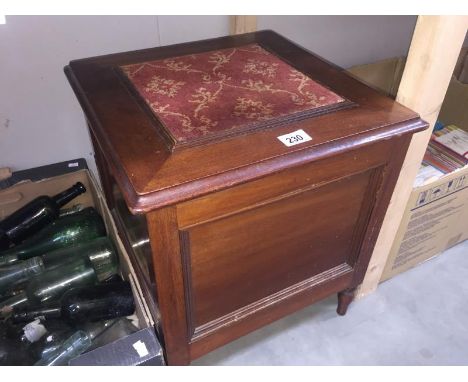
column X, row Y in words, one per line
column 419, row 317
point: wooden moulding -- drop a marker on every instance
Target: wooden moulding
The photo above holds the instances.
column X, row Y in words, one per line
column 432, row 57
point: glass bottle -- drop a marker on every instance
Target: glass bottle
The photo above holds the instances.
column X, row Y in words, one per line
column 99, row 302
column 35, row 215
column 96, row 250
column 49, row 343
column 19, row 340
column 68, row 230
column 51, row 284
column 74, row 345
column 72, row 210
column 10, row 275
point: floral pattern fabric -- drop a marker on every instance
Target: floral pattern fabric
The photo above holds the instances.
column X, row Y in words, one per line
column 220, row 91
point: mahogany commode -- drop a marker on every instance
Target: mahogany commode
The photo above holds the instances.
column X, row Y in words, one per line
column 248, row 177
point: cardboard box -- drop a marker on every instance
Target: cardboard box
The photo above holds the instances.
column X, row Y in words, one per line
column 437, row 213
column 435, row 219
column 384, row 76
column 461, row 68
column 24, row 191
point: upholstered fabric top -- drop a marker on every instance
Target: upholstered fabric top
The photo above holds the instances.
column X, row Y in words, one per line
column 226, row 91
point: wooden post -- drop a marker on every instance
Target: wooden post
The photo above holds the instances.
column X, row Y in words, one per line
column 434, row 50
column 5, row 173
column 243, row 24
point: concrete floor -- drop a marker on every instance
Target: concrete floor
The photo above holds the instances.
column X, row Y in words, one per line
column 419, row 317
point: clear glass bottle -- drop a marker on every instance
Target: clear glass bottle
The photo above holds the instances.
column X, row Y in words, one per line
column 74, row 345
column 49, row 343
column 10, row 275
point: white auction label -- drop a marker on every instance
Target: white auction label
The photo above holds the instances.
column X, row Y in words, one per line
column 141, row 348
column 295, row 138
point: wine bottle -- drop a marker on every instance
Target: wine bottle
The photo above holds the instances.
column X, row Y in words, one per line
column 35, row 215
column 69, row 230
column 52, row 283
column 99, row 248
column 74, row 345
column 99, row 302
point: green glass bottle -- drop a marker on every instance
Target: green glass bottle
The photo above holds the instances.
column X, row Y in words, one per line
column 69, row 230
column 51, row 284
column 96, row 250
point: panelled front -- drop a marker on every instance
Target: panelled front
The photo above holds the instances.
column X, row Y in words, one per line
column 240, row 254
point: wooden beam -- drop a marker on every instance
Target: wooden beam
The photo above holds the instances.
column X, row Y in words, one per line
column 243, row 24
column 5, row 173
column 434, row 50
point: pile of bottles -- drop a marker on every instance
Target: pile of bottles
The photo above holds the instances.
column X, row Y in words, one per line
column 60, row 287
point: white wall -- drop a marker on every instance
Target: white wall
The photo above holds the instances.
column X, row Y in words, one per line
column 178, row 29
column 346, row 40
column 40, row 119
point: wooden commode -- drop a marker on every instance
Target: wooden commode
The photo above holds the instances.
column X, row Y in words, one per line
column 248, row 177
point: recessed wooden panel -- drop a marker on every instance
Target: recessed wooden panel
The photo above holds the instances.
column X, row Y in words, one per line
column 309, row 175
column 238, row 260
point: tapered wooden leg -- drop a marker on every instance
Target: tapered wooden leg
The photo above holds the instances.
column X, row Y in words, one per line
column 344, row 299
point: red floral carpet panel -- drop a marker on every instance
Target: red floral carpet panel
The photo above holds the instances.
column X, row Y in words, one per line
column 226, row 90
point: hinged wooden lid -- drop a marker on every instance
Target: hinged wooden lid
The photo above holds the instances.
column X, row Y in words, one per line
column 180, row 121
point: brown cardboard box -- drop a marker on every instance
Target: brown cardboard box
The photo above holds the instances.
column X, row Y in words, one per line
column 437, row 213
column 384, row 75
column 461, row 68
column 435, row 219
column 454, row 110
column 16, row 196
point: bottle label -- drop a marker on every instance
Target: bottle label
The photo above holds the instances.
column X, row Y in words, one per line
column 141, row 348
column 295, row 138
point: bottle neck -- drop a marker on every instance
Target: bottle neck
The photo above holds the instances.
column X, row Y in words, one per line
column 69, row 194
